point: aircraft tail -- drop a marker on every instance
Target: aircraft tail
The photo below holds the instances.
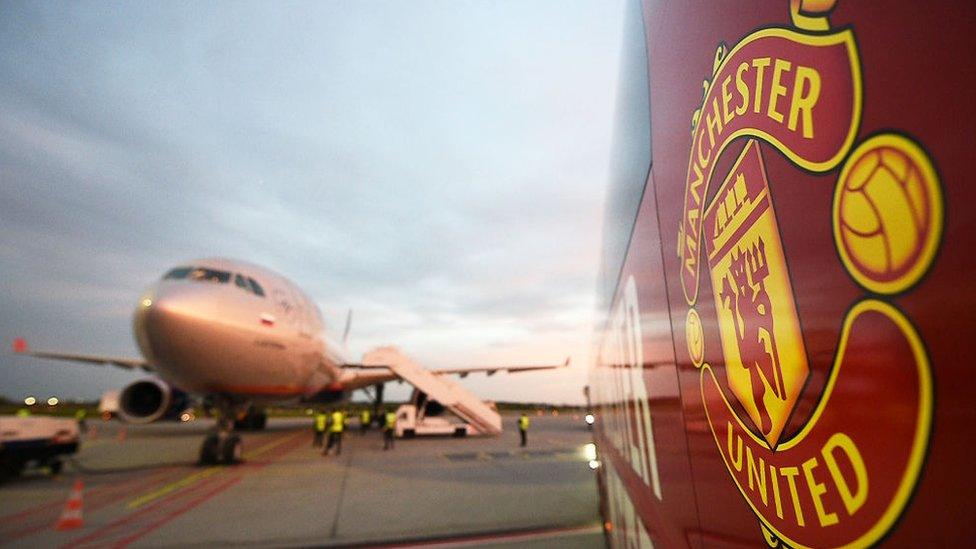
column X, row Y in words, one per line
column 345, row 331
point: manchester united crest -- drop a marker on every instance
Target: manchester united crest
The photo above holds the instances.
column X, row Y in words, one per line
column 765, row 359
column 797, row 89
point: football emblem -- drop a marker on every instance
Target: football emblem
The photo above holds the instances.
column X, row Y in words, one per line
column 887, row 213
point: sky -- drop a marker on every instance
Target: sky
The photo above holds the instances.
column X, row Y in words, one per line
column 438, row 167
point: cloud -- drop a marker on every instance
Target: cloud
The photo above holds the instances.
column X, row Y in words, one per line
column 439, row 168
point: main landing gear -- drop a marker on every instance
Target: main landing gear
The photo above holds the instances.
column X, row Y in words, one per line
column 253, row 420
column 222, row 446
column 378, row 416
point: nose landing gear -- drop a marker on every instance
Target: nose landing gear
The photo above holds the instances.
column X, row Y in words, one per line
column 222, row 446
column 227, row 450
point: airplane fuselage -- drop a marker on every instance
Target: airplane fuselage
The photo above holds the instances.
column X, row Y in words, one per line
column 240, row 337
column 220, row 326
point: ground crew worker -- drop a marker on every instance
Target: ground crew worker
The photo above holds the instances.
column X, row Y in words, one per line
column 389, row 428
column 80, row 416
column 338, row 422
column 23, row 412
column 320, row 420
column 524, row 427
column 363, row 421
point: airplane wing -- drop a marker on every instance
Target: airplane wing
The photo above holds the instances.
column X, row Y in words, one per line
column 369, row 374
column 20, row 347
column 492, row 370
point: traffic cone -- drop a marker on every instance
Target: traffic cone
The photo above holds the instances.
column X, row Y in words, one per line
column 122, row 433
column 71, row 516
column 93, row 432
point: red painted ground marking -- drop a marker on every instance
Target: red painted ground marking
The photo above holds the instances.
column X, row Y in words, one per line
column 176, row 504
column 27, row 512
column 94, row 491
column 103, row 536
column 463, row 540
column 40, row 518
column 180, row 510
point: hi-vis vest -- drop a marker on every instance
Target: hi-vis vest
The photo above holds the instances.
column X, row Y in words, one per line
column 524, row 423
column 320, row 421
column 364, row 416
column 337, row 422
column 390, row 420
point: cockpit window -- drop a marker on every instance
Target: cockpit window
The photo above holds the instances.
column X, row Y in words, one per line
column 210, row 275
column 177, row 273
column 201, row 274
column 257, row 287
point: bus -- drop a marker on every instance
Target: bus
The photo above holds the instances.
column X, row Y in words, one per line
column 785, row 295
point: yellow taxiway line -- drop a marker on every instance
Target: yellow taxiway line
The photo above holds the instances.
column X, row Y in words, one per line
column 199, row 475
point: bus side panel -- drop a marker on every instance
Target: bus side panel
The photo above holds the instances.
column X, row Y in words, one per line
column 642, row 430
column 912, row 64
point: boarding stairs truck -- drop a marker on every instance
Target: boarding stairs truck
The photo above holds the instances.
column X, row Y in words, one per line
column 412, row 422
column 35, row 440
column 425, row 417
column 434, row 394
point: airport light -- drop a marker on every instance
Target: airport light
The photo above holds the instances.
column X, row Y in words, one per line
column 147, row 303
column 589, row 419
column 589, row 451
column 53, row 401
column 30, row 401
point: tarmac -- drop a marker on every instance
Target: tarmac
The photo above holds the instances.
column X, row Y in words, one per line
column 143, row 488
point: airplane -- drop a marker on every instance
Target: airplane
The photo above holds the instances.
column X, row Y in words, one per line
column 241, row 337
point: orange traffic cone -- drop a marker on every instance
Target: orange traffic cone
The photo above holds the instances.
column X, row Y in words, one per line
column 122, row 434
column 71, row 516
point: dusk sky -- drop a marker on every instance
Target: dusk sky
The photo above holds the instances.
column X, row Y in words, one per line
column 438, row 167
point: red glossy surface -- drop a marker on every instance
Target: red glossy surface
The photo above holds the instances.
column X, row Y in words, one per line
column 917, row 76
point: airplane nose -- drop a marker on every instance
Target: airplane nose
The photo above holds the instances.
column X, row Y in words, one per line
column 168, row 318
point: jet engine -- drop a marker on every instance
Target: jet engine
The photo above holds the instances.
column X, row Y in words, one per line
column 149, row 400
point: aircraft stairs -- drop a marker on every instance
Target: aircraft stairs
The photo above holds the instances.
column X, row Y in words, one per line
column 450, row 394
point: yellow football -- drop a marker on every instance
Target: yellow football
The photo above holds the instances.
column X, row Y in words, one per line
column 887, row 213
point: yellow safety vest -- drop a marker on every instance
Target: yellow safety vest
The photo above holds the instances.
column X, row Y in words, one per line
column 337, row 422
column 320, row 421
column 364, row 417
column 390, row 420
column 80, row 415
column 23, row 412
column 524, row 423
